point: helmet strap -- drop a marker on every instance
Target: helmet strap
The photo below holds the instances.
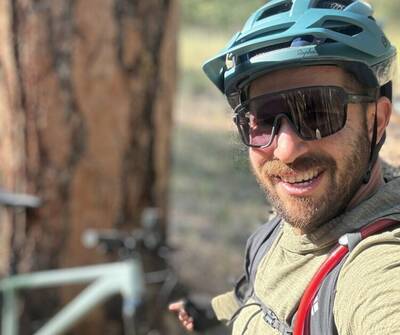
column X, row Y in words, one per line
column 244, row 93
column 375, row 147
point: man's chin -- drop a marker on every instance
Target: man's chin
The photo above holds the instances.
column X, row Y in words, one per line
column 301, row 213
column 303, row 224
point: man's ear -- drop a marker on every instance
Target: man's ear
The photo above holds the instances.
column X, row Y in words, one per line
column 383, row 113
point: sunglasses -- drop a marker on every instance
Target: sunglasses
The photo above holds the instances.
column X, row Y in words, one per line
column 312, row 112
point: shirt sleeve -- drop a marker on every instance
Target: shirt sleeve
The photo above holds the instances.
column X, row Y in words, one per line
column 225, row 305
column 367, row 301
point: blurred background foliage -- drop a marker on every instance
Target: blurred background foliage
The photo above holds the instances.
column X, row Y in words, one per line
column 209, row 14
column 231, row 14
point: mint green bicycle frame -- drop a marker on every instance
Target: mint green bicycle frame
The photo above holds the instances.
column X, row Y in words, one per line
column 106, row 280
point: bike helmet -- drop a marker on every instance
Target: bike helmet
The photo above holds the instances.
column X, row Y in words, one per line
column 292, row 33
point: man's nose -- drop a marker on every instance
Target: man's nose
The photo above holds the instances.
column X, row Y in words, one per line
column 288, row 146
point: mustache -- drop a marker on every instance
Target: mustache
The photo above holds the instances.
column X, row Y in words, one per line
column 276, row 167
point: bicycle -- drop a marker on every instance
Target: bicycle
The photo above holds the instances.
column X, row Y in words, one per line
column 126, row 277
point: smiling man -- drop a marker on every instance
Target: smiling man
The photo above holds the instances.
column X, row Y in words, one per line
column 310, row 83
column 308, row 182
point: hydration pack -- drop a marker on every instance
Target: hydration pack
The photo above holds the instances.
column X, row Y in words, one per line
column 321, row 318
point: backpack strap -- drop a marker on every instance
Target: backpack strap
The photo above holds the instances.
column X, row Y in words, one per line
column 321, row 315
column 257, row 246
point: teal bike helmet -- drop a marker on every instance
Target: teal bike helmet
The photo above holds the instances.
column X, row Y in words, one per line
column 292, row 33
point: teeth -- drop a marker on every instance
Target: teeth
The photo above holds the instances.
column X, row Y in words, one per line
column 318, row 134
column 300, row 177
column 291, row 179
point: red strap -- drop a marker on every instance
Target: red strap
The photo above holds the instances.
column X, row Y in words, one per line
column 377, row 226
column 301, row 326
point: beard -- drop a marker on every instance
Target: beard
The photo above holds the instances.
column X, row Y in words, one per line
column 344, row 179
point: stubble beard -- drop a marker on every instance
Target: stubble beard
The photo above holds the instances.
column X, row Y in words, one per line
column 307, row 213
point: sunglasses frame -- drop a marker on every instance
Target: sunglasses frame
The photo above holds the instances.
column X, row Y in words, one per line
column 241, row 120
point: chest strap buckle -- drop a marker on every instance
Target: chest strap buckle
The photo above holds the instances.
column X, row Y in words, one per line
column 271, row 318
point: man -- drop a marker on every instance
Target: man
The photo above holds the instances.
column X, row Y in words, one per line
column 310, row 85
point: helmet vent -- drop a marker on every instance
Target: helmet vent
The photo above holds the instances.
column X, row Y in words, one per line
column 278, row 9
column 333, row 4
column 342, row 28
column 267, row 49
column 265, row 33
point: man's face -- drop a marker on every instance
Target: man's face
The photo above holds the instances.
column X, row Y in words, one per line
column 310, row 182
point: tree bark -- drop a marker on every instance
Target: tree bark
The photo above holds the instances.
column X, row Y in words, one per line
column 86, row 93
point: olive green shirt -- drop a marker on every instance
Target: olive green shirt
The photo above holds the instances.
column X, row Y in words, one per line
column 367, row 301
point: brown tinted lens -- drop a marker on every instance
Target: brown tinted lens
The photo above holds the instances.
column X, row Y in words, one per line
column 262, row 112
column 316, row 112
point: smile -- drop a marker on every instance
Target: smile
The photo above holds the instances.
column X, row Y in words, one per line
column 300, row 184
column 299, row 178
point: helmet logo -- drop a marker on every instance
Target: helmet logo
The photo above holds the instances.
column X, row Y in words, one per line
column 308, row 52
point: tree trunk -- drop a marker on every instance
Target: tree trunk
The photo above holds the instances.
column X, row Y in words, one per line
column 86, row 93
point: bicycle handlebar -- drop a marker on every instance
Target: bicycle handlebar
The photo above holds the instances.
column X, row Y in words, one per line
column 111, row 239
column 147, row 236
column 12, row 199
